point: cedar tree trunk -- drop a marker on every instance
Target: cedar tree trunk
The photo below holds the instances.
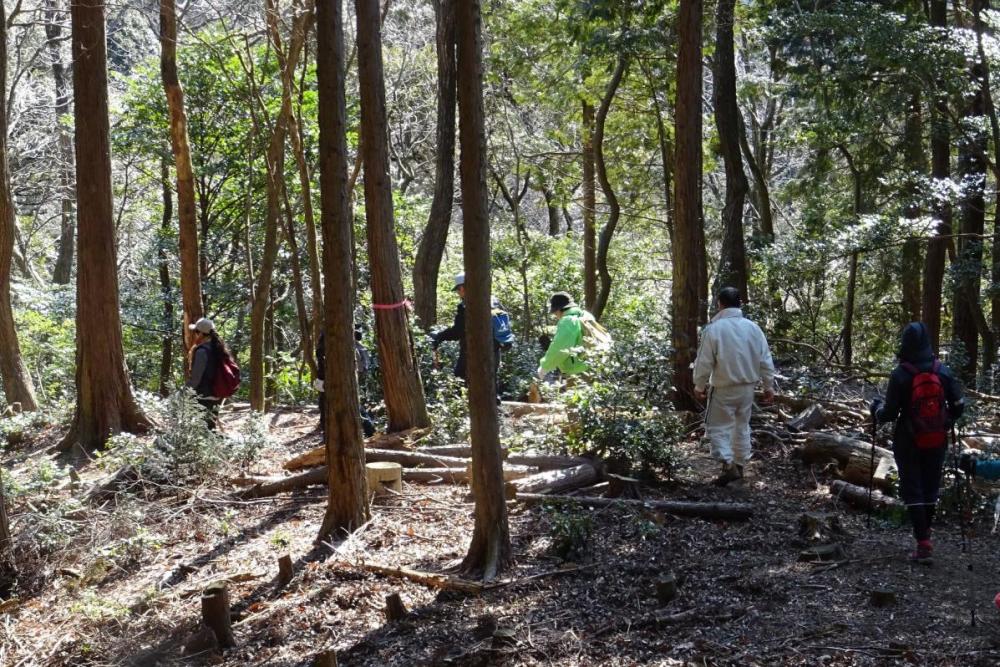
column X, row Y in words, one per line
column 104, row 401
column 432, row 243
column 347, row 508
column 490, row 550
column 401, row 386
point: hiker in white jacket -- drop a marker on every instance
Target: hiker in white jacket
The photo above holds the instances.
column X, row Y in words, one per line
column 732, row 358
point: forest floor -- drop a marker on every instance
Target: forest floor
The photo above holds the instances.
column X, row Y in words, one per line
column 744, row 597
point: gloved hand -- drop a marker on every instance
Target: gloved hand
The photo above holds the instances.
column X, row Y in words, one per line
column 876, row 406
column 540, row 374
column 967, row 463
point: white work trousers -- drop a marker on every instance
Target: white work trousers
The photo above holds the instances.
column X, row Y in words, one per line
column 727, row 422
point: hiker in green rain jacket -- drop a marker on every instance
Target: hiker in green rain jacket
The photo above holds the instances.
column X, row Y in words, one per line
column 564, row 350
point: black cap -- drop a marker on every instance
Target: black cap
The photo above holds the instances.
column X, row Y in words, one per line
column 560, row 301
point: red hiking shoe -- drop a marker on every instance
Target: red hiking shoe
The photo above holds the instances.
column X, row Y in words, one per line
column 924, row 553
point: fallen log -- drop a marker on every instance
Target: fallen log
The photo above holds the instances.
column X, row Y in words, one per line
column 118, row 482
column 548, row 461
column 458, row 451
column 853, row 458
column 517, row 409
column 401, row 441
column 810, row 419
column 555, row 481
column 858, row 496
column 720, row 511
column 430, row 579
column 460, row 475
column 407, row 459
column 264, row 489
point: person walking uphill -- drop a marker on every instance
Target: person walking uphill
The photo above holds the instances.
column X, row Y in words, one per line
column 575, row 332
column 924, row 399
column 503, row 337
column 208, row 353
column 732, row 358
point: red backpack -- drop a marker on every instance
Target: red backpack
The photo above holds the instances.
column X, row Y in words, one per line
column 928, row 416
column 227, row 378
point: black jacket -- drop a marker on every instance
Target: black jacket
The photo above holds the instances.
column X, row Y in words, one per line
column 455, row 332
column 915, row 349
column 204, row 365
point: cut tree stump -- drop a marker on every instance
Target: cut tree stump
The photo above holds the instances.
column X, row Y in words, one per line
column 325, row 659
column 384, row 476
column 404, row 440
column 395, row 610
column 666, row 587
column 215, row 613
column 810, row 419
column 555, row 481
column 285, row 571
column 714, row 511
column 853, row 458
column 823, row 553
column 858, row 496
column 882, row 597
column 115, row 483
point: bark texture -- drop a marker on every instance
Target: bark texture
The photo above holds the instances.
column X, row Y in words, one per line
column 940, row 170
column 432, row 243
column 104, row 402
column 17, row 386
column 732, row 270
column 187, row 213
column 401, row 385
column 63, row 268
column 688, row 232
column 490, row 549
column 347, row 507
column 589, row 209
column 614, row 208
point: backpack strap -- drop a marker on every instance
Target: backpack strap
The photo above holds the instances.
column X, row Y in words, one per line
column 910, row 368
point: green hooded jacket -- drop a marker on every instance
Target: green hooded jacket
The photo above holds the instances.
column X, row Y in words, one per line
column 566, row 348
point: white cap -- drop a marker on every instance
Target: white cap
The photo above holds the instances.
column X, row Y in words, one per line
column 204, row 325
column 459, row 280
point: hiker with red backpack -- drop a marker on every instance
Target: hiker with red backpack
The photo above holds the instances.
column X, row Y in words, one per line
column 924, row 399
column 214, row 373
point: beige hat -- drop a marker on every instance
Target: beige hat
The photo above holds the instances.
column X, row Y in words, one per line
column 204, row 325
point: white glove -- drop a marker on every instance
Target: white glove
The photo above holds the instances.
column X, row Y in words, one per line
column 541, row 374
column 318, row 385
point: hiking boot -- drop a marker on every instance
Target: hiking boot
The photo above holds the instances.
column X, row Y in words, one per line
column 923, row 554
column 730, row 473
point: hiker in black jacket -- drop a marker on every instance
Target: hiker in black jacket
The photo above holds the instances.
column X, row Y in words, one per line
column 919, row 450
column 362, row 359
column 207, row 353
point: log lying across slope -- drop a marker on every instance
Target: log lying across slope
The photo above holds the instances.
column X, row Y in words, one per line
column 852, row 457
column 401, row 441
column 719, row 511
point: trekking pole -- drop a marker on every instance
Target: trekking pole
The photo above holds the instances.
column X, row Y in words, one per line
column 871, row 478
column 965, row 526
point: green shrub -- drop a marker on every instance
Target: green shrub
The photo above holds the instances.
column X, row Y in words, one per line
column 569, row 531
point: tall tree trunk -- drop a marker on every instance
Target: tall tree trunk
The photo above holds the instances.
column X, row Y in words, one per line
column 972, row 171
column 305, row 326
column 401, row 385
column 940, row 171
column 552, row 208
column 916, row 166
column 432, row 243
column 666, row 155
column 490, row 549
column 614, row 209
column 275, row 158
column 17, row 386
column 732, row 270
column 847, row 332
column 589, row 209
column 63, row 268
column 347, row 507
column 187, row 213
column 104, row 401
column 309, row 217
column 166, row 293
column 688, row 234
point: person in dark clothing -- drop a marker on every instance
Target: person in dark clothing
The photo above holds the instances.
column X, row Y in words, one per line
column 456, row 332
column 919, row 468
column 207, row 352
column 363, row 363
